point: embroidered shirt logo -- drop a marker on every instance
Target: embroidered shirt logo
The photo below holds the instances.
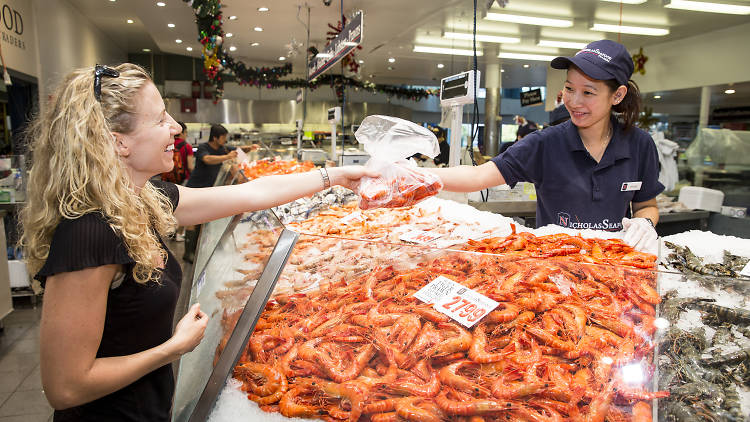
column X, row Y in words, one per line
column 607, row 58
column 563, row 219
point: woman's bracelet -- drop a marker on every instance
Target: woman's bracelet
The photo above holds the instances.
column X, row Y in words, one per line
column 326, row 180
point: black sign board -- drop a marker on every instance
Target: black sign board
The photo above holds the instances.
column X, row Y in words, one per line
column 531, row 98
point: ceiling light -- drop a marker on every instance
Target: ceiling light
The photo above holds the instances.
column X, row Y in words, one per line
column 730, row 91
column 161, row 3
column 529, row 20
column 231, row 18
column 171, row 25
column 263, row 9
column 146, row 50
column 502, row 70
column 442, row 50
column 112, row 1
column 524, row 56
column 391, row 60
column 229, row 35
column 390, row 67
column 526, row 66
column 637, row 30
column 189, row 48
column 178, row 41
column 703, row 6
column 440, row 65
column 258, row 29
column 255, row 44
column 130, row 20
column 232, row 48
column 282, row 58
column 656, row 97
column 361, row 62
column 627, row 1
column 561, row 44
column 480, row 37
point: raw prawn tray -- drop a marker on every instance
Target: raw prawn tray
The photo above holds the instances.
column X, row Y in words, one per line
column 550, row 263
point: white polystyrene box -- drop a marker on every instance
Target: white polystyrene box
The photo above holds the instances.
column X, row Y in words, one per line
column 698, row 198
column 19, row 277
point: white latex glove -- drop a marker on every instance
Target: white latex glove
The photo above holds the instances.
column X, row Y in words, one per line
column 640, row 234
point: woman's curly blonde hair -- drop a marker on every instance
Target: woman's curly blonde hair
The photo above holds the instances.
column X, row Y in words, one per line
column 76, row 170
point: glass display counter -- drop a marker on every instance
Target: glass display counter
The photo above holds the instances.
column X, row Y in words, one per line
column 525, row 327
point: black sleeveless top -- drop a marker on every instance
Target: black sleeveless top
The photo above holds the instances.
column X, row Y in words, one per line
column 138, row 316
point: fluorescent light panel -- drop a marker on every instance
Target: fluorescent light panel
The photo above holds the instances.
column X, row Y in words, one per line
column 704, row 6
column 529, row 20
column 561, row 44
column 627, row 1
column 523, row 56
column 442, row 50
column 625, row 29
column 482, row 37
column 324, row 55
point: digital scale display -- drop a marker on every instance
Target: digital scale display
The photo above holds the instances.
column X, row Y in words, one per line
column 456, row 87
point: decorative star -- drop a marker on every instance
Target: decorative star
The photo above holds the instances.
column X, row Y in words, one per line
column 293, row 48
column 639, row 62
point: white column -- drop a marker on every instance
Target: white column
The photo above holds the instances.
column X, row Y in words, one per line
column 705, row 106
column 492, row 84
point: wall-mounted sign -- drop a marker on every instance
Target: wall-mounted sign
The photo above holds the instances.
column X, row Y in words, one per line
column 531, row 98
column 345, row 42
column 17, row 36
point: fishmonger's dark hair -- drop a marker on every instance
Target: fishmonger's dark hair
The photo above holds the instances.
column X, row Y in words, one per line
column 216, row 132
column 630, row 106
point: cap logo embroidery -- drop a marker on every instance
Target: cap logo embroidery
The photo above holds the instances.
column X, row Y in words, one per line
column 601, row 55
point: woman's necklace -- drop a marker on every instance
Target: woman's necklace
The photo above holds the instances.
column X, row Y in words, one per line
column 597, row 155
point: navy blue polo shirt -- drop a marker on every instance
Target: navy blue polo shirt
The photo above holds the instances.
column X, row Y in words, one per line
column 575, row 191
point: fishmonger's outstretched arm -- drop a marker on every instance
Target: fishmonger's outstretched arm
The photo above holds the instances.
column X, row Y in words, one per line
column 201, row 205
column 470, row 178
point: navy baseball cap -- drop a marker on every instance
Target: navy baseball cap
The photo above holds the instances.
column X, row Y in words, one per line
column 600, row 60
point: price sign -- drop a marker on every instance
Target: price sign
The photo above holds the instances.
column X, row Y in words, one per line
column 419, row 237
column 460, row 235
column 356, row 216
column 746, row 271
column 460, row 303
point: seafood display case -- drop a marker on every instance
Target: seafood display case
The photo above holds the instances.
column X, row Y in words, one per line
column 199, row 367
column 356, row 328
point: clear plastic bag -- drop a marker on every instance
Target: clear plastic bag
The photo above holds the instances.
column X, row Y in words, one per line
column 390, row 141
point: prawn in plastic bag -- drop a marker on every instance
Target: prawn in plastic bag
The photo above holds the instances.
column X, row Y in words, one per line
column 390, row 141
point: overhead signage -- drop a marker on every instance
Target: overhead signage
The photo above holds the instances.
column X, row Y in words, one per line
column 531, row 98
column 346, row 41
column 18, row 36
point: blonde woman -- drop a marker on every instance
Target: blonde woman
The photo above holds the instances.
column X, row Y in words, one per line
column 93, row 231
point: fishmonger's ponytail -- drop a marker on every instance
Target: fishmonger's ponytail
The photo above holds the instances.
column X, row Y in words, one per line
column 630, row 106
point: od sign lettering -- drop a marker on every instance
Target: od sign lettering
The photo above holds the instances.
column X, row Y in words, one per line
column 12, row 20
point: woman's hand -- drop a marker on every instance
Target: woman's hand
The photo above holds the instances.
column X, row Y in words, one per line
column 348, row 176
column 189, row 331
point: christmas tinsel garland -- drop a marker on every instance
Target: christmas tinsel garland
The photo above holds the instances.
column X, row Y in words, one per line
column 216, row 61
